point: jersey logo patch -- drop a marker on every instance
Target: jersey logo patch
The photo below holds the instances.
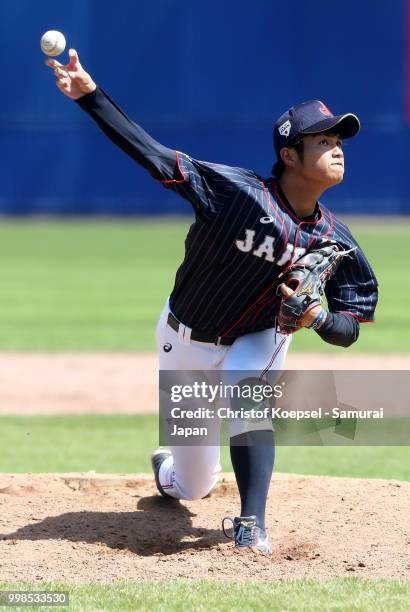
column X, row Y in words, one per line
column 284, row 129
column 268, row 219
column 167, row 347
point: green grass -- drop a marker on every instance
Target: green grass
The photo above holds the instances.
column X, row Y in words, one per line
column 123, row 443
column 101, row 285
column 340, row 594
column 78, row 285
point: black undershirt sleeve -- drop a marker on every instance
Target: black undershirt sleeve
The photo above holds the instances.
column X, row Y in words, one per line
column 159, row 160
column 205, row 185
column 339, row 329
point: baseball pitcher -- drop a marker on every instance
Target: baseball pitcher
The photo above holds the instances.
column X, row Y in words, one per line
column 261, row 257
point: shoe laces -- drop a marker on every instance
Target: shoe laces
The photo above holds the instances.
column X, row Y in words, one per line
column 244, row 531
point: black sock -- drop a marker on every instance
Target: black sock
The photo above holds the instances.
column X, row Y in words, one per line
column 253, row 456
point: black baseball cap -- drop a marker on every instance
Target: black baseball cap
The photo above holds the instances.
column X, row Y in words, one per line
column 311, row 117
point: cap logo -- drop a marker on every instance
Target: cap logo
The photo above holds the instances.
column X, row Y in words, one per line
column 324, row 110
column 284, row 129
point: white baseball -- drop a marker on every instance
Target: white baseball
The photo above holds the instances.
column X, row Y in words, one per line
column 53, row 43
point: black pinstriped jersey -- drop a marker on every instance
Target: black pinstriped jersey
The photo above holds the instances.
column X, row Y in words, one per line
column 244, row 234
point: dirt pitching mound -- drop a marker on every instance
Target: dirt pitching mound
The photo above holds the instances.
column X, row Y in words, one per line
column 102, row 528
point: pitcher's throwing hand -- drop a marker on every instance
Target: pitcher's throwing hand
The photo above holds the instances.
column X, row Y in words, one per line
column 72, row 79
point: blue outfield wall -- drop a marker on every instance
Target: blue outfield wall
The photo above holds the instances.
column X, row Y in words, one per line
column 205, row 78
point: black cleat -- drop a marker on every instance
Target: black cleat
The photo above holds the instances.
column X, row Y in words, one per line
column 247, row 534
column 157, row 459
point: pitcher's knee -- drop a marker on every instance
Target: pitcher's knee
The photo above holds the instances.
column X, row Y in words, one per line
column 198, row 490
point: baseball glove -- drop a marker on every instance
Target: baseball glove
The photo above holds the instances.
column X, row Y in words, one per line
column 307, row 278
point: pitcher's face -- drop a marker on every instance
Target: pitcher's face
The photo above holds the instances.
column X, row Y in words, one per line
column 323, row 159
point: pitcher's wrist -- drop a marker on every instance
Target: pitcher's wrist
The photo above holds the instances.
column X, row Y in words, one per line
column 319, row 320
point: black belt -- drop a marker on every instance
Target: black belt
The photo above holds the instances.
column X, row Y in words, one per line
column 198, row 336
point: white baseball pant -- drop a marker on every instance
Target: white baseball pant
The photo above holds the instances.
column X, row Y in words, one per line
column 192, row 471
